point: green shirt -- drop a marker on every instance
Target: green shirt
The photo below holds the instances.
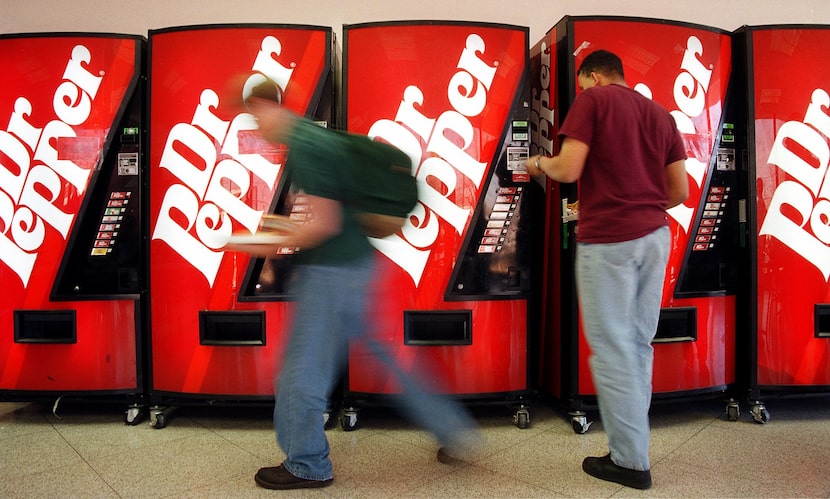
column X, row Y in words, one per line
column 319, row 164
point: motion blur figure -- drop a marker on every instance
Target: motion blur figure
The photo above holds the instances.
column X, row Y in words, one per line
column 332, row 288
column 630, row 160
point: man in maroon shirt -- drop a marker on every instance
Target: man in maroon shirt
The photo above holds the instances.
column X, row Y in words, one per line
column 629, row 158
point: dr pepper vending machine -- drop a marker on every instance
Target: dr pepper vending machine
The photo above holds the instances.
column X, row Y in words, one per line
column 788, row 346
column 455, row 286
column 218, row 318
column 687, row 69
column 71, row 225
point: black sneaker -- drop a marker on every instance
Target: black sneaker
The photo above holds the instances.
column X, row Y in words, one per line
column 605, row 469
column 279, row 478
column 445, row 456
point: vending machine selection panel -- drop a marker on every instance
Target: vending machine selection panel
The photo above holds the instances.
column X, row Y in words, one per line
column 105, row 257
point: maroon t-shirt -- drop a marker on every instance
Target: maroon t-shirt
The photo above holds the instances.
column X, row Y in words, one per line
column 622, row 191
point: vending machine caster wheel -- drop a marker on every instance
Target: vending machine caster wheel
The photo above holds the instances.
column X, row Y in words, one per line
column 522, row 418
column 161, row 422
column 733, row 410
column 158, row 416
column 348, row 421
column 580, row 423
column 759, row 412
column 133, row 415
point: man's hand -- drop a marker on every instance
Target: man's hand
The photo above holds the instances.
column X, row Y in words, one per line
column 565, row 167
column 533, row 166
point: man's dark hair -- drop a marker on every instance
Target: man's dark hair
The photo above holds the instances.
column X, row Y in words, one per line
column 603, row 62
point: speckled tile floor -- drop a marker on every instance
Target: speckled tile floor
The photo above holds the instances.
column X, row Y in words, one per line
column 88, row 451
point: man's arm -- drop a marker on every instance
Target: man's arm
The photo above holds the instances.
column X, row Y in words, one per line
column 565, row 167
column 326, row 221
column 677, row 182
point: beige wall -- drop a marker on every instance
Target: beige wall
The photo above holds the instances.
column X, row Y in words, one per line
column 139, row 16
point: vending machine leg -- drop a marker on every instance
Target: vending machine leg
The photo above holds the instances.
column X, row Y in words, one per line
column 758, row 411
column 579, row 422
column 159, row 415
column 135, row 414
column 348, row 419
column 328, row 420
column 521, row 418
column 733, row 410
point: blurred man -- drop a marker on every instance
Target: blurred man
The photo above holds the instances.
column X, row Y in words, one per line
column 335, row 271
column 629, row 158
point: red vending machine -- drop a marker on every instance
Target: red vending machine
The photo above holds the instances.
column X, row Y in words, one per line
column 456, row 281
column 71, row 229
column 788, row 130
column 687, row 69
column 218, row 318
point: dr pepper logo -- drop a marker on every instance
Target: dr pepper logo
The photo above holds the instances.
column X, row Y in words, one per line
column 35, row 180
column 411, row 248
column 195, row 218
column 799, row 212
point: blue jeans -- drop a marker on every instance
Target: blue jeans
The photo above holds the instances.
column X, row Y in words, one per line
column 330, row 312
column 620, row 287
